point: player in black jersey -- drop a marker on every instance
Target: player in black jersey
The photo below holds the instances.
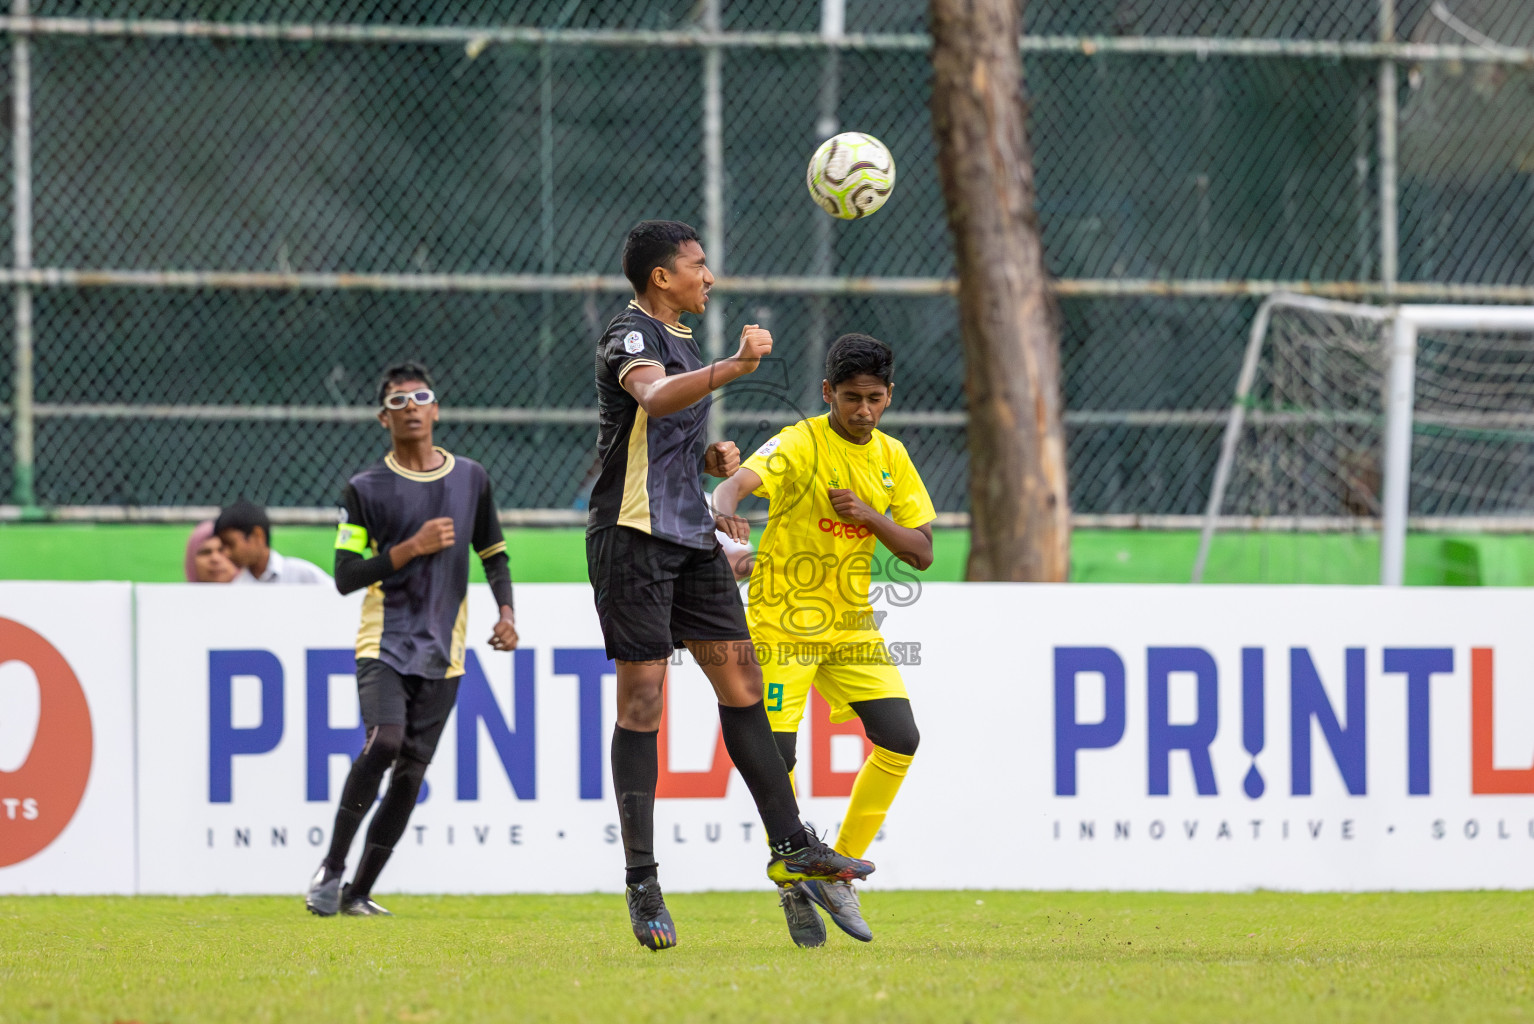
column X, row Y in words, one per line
column 399, row 539
column 660, row 579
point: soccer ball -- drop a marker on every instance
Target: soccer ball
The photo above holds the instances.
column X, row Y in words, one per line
column 851, row 175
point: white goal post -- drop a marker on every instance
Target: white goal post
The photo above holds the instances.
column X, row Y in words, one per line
column 1340, row 380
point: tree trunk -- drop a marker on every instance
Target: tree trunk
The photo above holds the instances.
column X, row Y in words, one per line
column 1019, row 509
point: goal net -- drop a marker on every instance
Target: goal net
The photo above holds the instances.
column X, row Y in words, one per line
column 1357, row 417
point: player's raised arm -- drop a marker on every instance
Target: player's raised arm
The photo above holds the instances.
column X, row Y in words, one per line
column 661, row 395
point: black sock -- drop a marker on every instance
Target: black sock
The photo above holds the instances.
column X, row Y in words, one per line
column 635, row 771
column 788, row 844
column 388, row 822
column 748, row 738
column 347, row 823
column 788, row 743
column 374, row 858
column 398, row 802
column 360, row 790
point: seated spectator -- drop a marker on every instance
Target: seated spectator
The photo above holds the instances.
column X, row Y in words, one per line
column 206, row 561
column 247, row 535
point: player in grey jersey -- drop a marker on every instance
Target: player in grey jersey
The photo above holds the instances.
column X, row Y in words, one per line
column 399, row 538
column 658, row 576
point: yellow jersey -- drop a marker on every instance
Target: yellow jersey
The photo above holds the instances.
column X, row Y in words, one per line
column 811, row 578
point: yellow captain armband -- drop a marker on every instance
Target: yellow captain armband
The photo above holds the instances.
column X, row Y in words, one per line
column 351, row 537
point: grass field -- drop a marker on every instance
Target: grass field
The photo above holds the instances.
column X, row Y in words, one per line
column 962, row 956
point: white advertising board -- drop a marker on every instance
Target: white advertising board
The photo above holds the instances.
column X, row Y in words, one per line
column 1085, row 737
column 1200, row 738
column 66, row 738
column 248, row 714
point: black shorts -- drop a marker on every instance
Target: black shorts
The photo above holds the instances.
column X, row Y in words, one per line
column 652, row 595
column 421, row 705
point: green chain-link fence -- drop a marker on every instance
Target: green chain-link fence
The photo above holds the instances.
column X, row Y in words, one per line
column 227, row 216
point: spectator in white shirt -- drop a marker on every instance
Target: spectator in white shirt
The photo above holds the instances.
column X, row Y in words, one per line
column 247, row 535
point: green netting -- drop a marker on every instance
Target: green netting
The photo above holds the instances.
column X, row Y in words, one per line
column 176, row 152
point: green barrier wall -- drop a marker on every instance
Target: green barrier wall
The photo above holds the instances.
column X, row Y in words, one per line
column 150, row 553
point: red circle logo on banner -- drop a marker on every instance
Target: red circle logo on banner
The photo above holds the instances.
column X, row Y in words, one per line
column 38, row 798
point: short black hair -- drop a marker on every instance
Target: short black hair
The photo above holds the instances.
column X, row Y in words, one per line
column 244, row 516
column 651, row 244
column 854, row 354
column 398, row 373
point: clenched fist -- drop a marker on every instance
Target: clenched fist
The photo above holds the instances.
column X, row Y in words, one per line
column 849, row 508
column 755, row 342
column 504, row 636
column 433, row 536
column 721, row 459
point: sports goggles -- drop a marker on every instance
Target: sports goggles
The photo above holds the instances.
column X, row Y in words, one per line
column 400, row 399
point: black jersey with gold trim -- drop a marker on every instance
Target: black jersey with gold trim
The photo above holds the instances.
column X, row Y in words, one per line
column 415, row 619
column 649, row 479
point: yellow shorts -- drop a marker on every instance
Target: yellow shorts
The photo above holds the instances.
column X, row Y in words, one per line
column 787, row 682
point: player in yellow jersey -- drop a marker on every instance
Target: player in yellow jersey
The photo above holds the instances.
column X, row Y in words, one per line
column 835, row 484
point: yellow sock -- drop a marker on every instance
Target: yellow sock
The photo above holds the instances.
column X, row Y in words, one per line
column 793, row 783
column 873, row 791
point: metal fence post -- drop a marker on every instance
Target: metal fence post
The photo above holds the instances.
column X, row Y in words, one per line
column 546, row 218
column 713, row 198
column 1389, row 164
column 1396, row 469
column 23, row 438
column 833, row 26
